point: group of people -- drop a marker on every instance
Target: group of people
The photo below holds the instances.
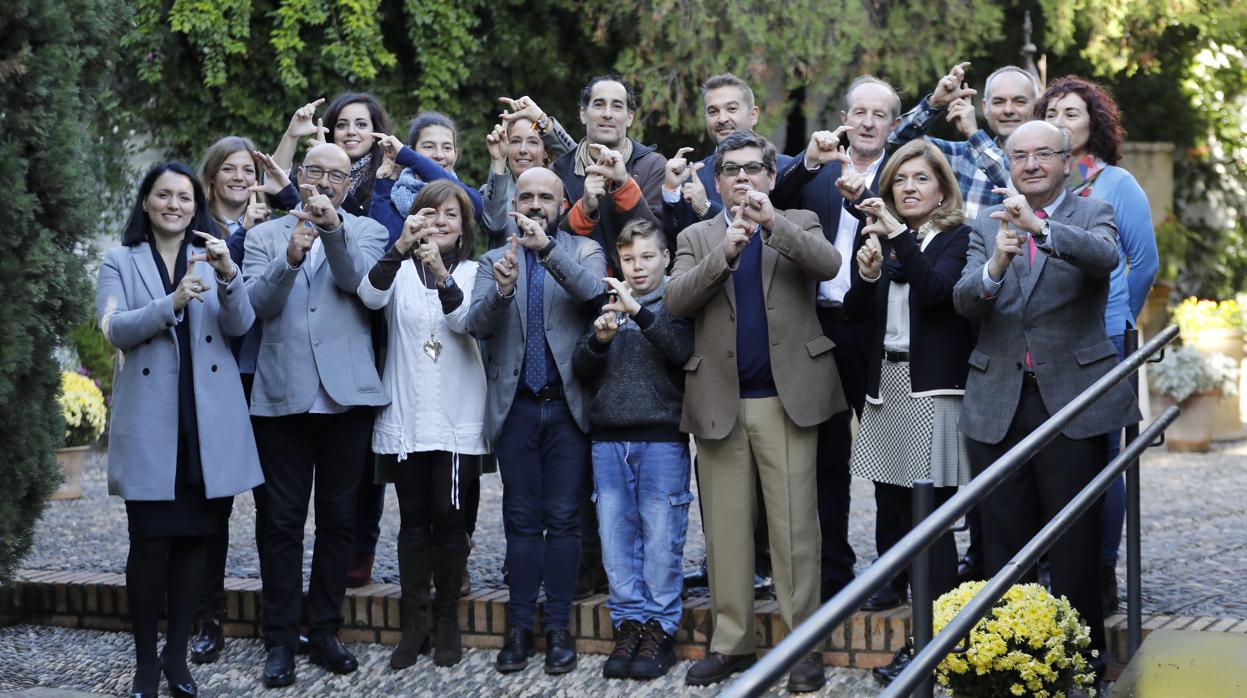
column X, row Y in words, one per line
column 949, row 294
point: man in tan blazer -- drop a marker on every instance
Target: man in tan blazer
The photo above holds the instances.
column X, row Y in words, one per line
column 760, row 381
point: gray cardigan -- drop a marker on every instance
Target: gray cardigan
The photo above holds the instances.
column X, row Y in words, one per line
column 137, row 317
column 637, row 380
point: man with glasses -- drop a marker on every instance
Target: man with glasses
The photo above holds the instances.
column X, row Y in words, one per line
column 760, row 381
column 316, row 385
column 1036, row 278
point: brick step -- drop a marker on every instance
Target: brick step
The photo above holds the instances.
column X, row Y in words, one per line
column 97, row 600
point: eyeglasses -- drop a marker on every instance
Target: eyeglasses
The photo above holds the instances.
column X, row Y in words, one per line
column 311, row 173
column 1042, row 157
column 732, row 169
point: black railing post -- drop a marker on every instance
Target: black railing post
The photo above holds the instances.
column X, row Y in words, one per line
column 1134, row 566
column 920, row 582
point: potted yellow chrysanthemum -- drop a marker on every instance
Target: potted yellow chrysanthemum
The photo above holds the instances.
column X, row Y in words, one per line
column 82, row 405
column 1030, row 644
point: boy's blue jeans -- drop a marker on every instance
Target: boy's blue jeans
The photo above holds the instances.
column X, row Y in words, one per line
column 641, row 490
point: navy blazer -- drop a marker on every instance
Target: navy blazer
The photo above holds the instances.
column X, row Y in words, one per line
column 940, row 340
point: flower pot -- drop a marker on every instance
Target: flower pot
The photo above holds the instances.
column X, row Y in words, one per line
column 1228, row 424
column 1192, row 430
column 70, row 459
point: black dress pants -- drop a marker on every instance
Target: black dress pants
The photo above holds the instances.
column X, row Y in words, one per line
column 296, row 450
column 1015, row 511
column 895, row 518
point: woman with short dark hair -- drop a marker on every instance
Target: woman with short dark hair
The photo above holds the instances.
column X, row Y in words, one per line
column 180, row 440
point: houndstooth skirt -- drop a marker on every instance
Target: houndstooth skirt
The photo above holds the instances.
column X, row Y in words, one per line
column 905, row 438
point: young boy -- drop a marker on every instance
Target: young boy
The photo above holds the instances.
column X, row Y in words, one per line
column 634, row 361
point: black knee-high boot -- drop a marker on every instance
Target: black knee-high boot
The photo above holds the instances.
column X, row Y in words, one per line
column 450, row 557
column 146, row 572
column 413, row 574
column 187, row 561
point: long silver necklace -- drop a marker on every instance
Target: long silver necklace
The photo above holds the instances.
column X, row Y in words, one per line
column 432, row 345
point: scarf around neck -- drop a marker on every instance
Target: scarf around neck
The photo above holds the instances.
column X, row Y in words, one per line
column 584, row 158
column 1083, row 173
column 360, row 169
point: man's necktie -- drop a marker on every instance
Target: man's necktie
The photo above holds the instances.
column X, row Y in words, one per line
column 1030, row 246
column 535, row 341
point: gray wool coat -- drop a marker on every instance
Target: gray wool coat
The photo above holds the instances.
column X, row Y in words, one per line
column 136, row 315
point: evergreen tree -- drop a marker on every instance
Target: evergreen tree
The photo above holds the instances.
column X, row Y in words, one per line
column 54, row 60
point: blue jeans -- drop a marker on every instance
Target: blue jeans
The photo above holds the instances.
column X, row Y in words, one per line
column 642, row 496
column 1113, row 515
column 543, row 458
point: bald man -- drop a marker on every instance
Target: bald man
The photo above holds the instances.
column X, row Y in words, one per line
column 1036, row 278
column 528, row 310
column 316, row 385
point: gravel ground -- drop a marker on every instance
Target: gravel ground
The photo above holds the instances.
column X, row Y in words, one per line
column 103, row 663
column 1194, row 533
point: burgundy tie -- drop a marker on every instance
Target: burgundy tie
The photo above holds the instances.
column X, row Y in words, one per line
column 1030, row 246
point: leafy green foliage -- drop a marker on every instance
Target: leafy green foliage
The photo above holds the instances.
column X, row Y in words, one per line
column 57, row 56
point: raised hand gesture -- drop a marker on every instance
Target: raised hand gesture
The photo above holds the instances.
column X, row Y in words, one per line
column 961, row 115
column 496, row 144
column 851, row 185
column 756, row 209
column 738, row 234
column 595, row 189
column 881, row 221
column 257, row 210
column 610, row 164
column 1009, row 244
column 216, row 254
column 870, row 256
column 301, row 121
column 522, row 108
column 318, row 209
column 275, row 177
column 413, row 229
column 623, row 301
column 430, row 256
column 506, row 269
column 677, row 171
column 301, row 239
column 532, row 233
column 189, row 288
column 951, row 87
column 1017, row 211
column 824, row 147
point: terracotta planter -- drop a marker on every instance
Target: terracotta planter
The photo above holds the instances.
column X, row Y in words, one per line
column 1192, row 430
column 71, row 459
column 1227, row 424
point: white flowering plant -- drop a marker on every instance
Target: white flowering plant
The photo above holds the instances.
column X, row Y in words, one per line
column 1185, row 371
column 1030, row 644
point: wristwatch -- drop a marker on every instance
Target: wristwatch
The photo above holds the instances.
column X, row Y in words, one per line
column 448, row 283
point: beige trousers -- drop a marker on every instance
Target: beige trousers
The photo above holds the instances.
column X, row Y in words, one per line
column 766, row 442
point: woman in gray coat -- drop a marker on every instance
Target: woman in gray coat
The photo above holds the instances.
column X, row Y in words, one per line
column 180, row 441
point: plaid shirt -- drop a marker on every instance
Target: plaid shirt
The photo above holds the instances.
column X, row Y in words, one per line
column 978, row 163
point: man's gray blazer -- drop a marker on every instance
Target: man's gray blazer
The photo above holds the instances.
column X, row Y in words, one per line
column 577, row 265
column 315, row 328
column 1054, row 309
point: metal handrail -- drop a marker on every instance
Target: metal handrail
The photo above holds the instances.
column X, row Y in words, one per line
column 925, row 661
column 808, row 635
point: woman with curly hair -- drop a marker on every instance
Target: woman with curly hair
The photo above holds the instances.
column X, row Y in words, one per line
column 1093, row 120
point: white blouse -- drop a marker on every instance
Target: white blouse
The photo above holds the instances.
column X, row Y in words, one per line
column 434, row 405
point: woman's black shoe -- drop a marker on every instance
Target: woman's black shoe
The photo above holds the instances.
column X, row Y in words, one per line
column 183, row 687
